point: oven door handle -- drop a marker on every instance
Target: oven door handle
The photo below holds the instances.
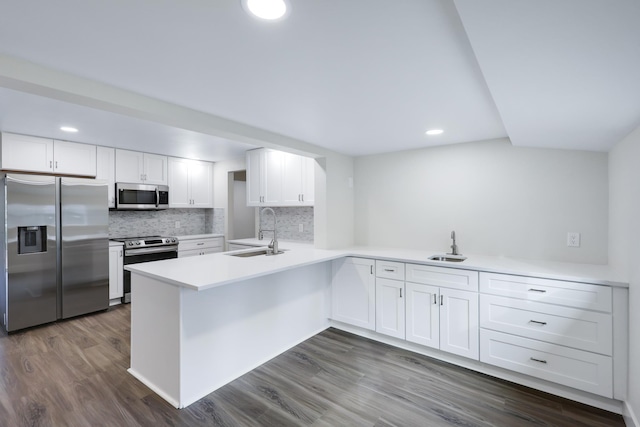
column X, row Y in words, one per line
column 142, row 251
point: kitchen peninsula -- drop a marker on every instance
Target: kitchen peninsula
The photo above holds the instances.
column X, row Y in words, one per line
column 198, row 323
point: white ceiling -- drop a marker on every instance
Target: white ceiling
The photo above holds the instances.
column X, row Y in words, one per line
column 357, row 77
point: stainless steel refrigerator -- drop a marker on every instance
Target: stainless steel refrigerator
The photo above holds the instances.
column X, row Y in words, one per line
column 55, row 249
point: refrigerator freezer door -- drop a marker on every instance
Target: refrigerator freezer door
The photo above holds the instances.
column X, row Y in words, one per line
column 31, row 274
column 85, row 246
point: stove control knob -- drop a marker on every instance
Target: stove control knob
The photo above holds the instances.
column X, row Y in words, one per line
column 130, row 243
column 137, row 243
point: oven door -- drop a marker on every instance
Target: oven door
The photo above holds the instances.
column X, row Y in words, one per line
column 136, row 256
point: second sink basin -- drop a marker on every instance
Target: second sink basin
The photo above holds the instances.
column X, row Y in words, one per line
column 448, row 258
column 257, row 252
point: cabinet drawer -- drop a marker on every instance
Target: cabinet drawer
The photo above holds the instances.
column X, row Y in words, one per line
column 390, row 270
column 196, row 252
column 187, row 245
column 581, row 329
column 574, row 368
column 465, row 280
column 571, row 294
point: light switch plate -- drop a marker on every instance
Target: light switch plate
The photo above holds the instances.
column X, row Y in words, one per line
column 573, row 239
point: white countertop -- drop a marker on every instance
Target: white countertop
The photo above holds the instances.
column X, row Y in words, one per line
column 198, row 236
column 218, row 269
column 114, row 243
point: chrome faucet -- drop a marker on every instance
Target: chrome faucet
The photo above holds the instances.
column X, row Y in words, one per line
column 273, row 246
column 454, row 247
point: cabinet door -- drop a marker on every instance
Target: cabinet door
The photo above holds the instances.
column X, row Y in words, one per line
column 459, row 323
column 71, row 158
column 423, row 314
column 273, row 177
column 106, row 170
column 390, row 307
column 115, row 272
column 255, row 181
column 155, row 169
column 308, row 181
column 291, row 179
column 201, row 182
column 129, row 166
column 353, row 292
column 179, row 194
column 27, row 153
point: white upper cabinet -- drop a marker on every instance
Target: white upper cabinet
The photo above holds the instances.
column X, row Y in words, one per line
column 276, row 178
column 155, row 169
column 255, row 182
column 264, row 177
column 71, row 158
column 33, row 154
column 141, row 168
column 106, row 170
column 297, row 180
column 191, row 183
column 27, row 153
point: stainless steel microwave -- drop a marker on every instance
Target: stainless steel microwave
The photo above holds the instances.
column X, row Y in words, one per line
column 131, row 196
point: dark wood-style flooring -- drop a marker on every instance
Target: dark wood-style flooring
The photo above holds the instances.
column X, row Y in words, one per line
column 73, row 373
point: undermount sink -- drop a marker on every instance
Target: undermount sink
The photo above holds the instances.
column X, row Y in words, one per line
column 261, row 251
column 448, row 258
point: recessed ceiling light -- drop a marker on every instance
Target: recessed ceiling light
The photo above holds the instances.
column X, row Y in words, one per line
column 434, row 131
column 269, row 10
column 68, row 129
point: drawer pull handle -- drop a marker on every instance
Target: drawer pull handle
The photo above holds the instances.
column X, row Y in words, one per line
column 400, row 292
column 538, row 360
column 537, row 290
column 537, row 322
column 200, row 244
column 390, row 270
column 435, row 299
column 441, row 300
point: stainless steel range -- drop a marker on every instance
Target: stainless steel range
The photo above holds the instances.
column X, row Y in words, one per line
column 145, row 249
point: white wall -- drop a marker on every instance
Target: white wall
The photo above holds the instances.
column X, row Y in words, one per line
column 334, row 202
column 624, row 245
column 500, row 200
column 243, row 217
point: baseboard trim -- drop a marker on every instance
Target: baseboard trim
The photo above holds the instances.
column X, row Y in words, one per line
column 630, row 418
column 154, row 388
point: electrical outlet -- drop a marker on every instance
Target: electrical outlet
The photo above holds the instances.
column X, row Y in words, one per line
column 300, row 228
column 177, row 224
column 573, row 239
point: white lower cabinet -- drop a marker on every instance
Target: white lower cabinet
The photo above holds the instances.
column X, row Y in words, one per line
column 574, row 368
column 116, row 271
column 390, row 307
column 551, row 329
column 203, row 246
column 353, row 292
column 442, row 309
column 442, row 318
column 569, row 333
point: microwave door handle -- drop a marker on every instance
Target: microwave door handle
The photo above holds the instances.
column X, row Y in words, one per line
column 157, row 198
